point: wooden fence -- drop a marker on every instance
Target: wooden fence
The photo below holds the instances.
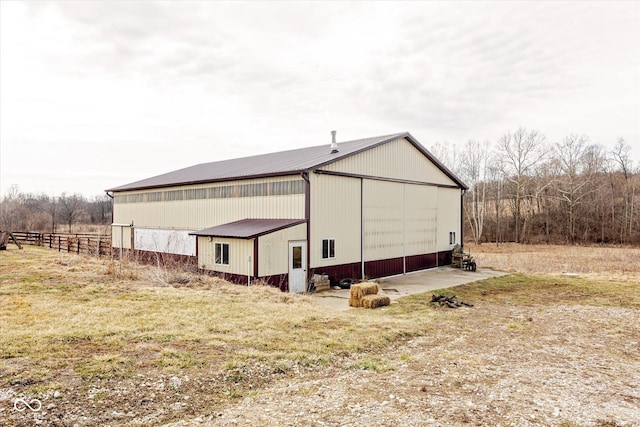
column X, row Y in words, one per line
column 92, row 244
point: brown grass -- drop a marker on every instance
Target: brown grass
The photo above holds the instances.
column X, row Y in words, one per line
column 114, row 336
column 598, row 262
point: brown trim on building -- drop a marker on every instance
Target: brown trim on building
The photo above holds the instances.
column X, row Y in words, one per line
column 248, row 228
column 380, row 178
column 255, row 257
column 280, row 281
column 462, row 218
column 307, row 217
column 338, row 272
column 421, row 262
column 384, row 267
column 444, row 258
column 207, row 181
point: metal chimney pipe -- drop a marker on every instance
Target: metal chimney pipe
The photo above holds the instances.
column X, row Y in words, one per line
column 334, row 144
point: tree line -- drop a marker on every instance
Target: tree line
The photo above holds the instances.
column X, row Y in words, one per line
column 523, row 188
column 42, row 213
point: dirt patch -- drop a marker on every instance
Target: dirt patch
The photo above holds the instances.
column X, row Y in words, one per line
column 489, row 365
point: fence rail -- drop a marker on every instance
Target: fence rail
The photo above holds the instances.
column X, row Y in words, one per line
column 92, row 244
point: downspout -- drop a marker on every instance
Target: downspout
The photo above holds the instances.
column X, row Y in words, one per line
column 462, row 218
column 404, row 228
column 256, row 243
column 362, row 228
column 307, row 217
column 112, row 209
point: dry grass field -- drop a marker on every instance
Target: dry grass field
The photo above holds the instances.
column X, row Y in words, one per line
column 98, row 343
column 599, row 262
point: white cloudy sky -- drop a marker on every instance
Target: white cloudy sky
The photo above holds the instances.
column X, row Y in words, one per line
column 98, row 94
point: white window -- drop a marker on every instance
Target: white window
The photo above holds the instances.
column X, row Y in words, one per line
column 222, row 253
column 328, row 248
column 452, row 237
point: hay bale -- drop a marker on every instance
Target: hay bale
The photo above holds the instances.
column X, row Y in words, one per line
column 374, row 301
column 355, row 302
column 359, row 291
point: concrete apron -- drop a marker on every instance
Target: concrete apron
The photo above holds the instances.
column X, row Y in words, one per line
column 414, row 283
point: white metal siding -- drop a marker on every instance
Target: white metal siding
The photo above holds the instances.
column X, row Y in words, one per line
column 421, row 216
column 335, row 213
column 383, row 220
column 239, row 252
column 448, row 217
column 167, row 241
column 397, row 159
column 196, row 214
column 273, row 250
column 116, row 233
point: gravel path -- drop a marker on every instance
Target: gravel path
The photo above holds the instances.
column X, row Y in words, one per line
column 517, row 366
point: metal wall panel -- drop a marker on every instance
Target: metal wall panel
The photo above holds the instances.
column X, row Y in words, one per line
column 239, row 252
column 384, row 225
column 383, row 267
column 273, row 250
column 165, row 241
column 421, row 219
column 335, row 214
column 421, row 262
column 448, row 217
column 195, row 214
column 125, row 233
column 397, row 159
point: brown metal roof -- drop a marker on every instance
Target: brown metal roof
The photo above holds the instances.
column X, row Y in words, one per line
column 248, row 228
column 274, row 164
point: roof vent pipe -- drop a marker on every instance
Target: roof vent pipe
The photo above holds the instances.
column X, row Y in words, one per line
column 334, row 144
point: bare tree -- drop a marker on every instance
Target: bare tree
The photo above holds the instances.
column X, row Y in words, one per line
column 473, row 170
column 495, row 167
column 70, row 208
column 621, row 156
column 447, row 154
column 574, row 178
column 11, row 209
column 522, row 151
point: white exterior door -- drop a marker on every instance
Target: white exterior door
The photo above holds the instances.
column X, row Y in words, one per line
column 297, row 267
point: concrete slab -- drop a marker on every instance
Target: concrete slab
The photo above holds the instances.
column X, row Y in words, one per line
column 414, row 283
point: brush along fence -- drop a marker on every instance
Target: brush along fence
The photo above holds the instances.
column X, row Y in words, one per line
column 92, row 244
column 365, row 295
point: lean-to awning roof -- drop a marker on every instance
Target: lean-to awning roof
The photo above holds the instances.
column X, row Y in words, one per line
column 248, row 228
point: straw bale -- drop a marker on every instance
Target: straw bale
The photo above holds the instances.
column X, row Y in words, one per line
column 361, row 289
column 355, row 302
column 374, row 301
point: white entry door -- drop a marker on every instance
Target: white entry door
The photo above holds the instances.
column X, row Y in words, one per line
column 297, row 267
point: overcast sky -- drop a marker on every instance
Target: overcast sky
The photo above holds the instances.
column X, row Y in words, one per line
column 98, row 94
